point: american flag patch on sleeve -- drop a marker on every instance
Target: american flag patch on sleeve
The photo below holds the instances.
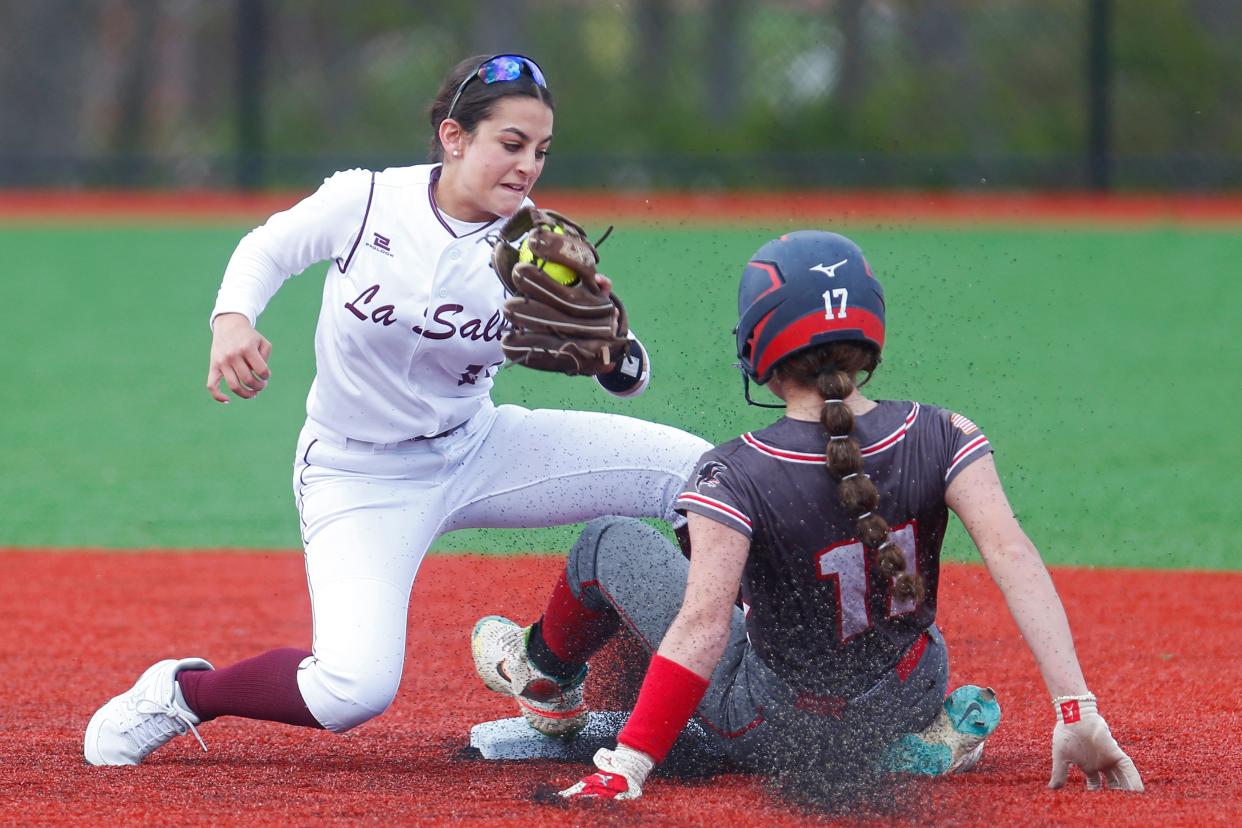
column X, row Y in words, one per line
column 963, row 424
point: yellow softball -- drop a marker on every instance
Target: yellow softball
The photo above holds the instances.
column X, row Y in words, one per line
column 559, row 272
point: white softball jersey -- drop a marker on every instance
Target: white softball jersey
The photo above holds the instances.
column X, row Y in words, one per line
column 402, row 442
column 409, row 331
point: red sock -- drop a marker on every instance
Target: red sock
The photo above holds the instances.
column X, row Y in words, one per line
column 264, row 687
column 572, row 631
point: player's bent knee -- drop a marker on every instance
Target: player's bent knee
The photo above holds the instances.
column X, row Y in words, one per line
column 347, row 713
column 582, row 564
column 594, row 532
column 607, row 538
column 348, row 719
column 342, row 699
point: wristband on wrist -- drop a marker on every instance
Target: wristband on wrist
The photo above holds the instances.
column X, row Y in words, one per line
column 633, row 372
column 1070, row 708
column 668, row 697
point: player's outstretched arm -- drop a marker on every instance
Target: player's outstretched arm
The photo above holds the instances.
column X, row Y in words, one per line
column 1081, row 736
column 239, row 356
column 680, row 670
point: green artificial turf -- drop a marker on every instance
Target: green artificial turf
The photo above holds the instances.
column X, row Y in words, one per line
column 1102, row 363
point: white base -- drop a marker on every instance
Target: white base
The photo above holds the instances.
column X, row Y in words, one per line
column 513, row 739
column 510, row 739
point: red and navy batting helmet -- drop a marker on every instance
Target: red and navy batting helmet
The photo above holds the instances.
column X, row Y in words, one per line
column 805, row 289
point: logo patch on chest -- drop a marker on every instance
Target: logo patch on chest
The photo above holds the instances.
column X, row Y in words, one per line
column 381, row 244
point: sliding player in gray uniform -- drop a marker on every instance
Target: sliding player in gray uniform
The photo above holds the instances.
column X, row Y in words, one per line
column 830, row 521
column 402, row 442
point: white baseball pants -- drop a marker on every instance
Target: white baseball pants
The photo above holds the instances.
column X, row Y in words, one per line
column 369, row 514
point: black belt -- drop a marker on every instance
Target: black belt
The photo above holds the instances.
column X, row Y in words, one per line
column 351, row 443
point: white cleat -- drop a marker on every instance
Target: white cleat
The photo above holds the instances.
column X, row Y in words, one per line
column 550, row 707
column 968, row 761
column 129, row 727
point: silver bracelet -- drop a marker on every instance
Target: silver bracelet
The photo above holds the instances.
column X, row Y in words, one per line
column 1083, row 698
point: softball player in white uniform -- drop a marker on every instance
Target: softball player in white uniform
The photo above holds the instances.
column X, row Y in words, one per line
column 402, row 441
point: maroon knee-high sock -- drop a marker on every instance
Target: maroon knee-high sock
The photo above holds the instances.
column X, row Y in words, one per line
column 572, row 631
column 264, row 687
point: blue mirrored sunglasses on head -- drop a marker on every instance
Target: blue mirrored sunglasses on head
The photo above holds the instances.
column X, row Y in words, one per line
column 497, row 69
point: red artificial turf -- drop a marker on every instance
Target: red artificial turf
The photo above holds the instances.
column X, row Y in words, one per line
column 1159, row 649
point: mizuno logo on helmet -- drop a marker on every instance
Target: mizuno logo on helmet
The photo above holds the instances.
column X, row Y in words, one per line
column 829, row 270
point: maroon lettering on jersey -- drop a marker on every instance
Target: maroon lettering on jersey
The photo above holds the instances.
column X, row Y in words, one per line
column 495, row 328
column 472, row 329
column 382, row 314
column 447, row 328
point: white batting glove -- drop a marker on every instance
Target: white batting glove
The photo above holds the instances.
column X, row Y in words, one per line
column 1082, row 738
column 621, row 775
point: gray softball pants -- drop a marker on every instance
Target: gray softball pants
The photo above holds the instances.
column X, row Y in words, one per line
column 623, row 565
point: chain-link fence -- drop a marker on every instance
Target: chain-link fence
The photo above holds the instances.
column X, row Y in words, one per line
column 650, row 93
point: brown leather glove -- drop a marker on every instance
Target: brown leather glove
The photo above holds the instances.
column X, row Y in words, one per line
column 576, row 328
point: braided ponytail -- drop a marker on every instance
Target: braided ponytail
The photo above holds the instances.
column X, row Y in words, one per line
column 831, row 370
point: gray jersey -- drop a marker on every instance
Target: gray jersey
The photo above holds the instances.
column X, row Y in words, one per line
column 816, row 611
